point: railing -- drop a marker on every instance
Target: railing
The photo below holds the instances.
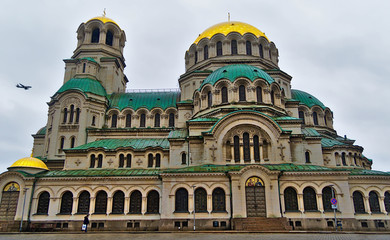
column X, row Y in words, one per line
column 152, row 90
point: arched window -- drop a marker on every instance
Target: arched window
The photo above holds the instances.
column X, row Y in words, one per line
column 95, row 35
column 234, row 47
column 72, row 141
column 206, row 52
column 66, row 203
column 128, row 161
column 224, row 94
column 387, row 201
column 153, row 202
column 128, row 120
column 219, row 48
column 121, row 160
column 150, row 160
column 315, row 118
column 247, row 157
column 200, row 200
column 181, row 200
column 84, row 66
column 196, row 56
column 248, row 48
column 209, row 99
column 109, row 38
column 325, row 121
column 358, row 202
column 157, row 120
column 142, row 120
column 100, row 161
column 261, row 53
column 256, row 148
column 228, row 151
column 93, row 120
column 171, row 120
column 43, row 203
column 71, row 113
column 101, row 202
column 265, row 149
column 270, row 54
column 259, row 94
column 273, row 97
column 158, row 160
column 307, row 157
column 241, row 93
column 290, row 199
column 135, row 202
column 65, row 115
column 354, row 159
column 84, row 200
column 374, row 202
column 302, row 116
column 114, row 120
column 184, row 158
column 93, row 159
column 309, row 199
column 219, row 200
column 77, row 115
column 118, row 202
column 62, row 142
column 236, row 149
column 326, row 197
column 343, row 159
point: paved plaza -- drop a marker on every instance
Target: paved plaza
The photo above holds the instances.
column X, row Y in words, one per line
column 197, row 236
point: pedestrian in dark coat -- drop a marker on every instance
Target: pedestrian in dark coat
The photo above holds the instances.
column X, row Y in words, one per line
column 85, row 223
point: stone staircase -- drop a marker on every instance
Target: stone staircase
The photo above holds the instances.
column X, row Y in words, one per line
column 262, row 224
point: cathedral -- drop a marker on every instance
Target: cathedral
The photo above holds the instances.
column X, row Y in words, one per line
column 234, row 148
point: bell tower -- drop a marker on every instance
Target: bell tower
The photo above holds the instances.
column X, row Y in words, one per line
column 99, row 54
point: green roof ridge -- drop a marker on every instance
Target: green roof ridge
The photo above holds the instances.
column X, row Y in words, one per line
column 85, row 85
column 306, row 98
column 112, row 144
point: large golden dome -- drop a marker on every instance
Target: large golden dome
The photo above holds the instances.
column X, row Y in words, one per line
column 103, row 19
column 227, row 27
column 29, row 162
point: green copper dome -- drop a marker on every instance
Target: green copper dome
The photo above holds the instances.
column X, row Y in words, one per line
column 85, row 85
column 306, row 98
column 232, row 72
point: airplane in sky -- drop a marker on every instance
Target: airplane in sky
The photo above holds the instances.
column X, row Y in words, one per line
column 19, row 85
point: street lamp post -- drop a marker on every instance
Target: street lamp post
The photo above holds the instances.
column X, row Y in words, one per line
column 24, row 201
column 334, row 207
column 193, row 190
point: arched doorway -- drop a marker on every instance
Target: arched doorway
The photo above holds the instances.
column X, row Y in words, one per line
column 9, row 201
column 255, row 197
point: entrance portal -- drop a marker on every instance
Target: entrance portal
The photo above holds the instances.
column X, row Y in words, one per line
column 9, row 201
column 255, row 197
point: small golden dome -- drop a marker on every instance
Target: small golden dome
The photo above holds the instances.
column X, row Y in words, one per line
column 103, row 19
column 29, row 162
column 227, row 27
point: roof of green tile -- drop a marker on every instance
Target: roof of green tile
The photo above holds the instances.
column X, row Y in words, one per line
column 310, row 132
column 368, row 172
column 148, row 100
column 101, row 172
column 289, row 167
column 285, row 118
column 205, row 168
column 85, row 85
column 89, row 59
column 306, row 98
column 178, row 133
column 204, row 120
column 42, row 131
column 234, row 71
column 139, row 143
column 327, row 142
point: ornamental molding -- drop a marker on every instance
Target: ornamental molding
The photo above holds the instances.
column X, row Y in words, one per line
column 104, row 180
column 331, row 173
column 206, row 174
column 255, row 167
column 378, row 177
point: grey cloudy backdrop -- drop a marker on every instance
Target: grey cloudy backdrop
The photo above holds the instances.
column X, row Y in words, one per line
column 339, row 51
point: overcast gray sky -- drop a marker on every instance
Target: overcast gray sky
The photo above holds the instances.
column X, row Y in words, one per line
column 339, row 51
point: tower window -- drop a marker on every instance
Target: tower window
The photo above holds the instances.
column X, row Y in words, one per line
column 248, row 48
column 62, row 141
column 92, row 163
column 256, row 148
column 209, row 99
column 95, row 35
column 219, row 48
column 142, row 120
column 109, row 38
column 128, row 162
column 77, row 115
column 150, row 160
column 158, row 160
column 206, row 52
column 114, row 120
column 100, row 161
column 71, row 113
column 157, row 120
column 84, row 65
column 302, row 116
column 236, row 148
column 224, row 93
column 93, row 120
column 65, row 115
column 259, row 94
column 183, row 158
column 315, row 118
column 307, row 157
column 273, row 97
column 234, row 47
column 246, row 147
column 343, row 159
column 171, row 120
column 72, row 141
column 121, row 160
column 128, row 120
column 261, row 53
column 241, row 93
column 196, row 56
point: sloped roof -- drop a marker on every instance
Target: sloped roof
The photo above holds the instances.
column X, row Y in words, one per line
column 138, row 144
column 148, row 100
column 234, row 71
column 85, row 85
column 327, row 142
column 306, row 98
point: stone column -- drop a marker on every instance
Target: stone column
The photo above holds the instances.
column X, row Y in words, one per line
column 109, row 205
column 191, row 204
column 300, row 202
column 144, row 202
column 75, row 205
column 382, row 204
column 252, row 153
column 92, row 205
column 127, row 205
column 209, row 203
column 319, row 202
column 367, row 204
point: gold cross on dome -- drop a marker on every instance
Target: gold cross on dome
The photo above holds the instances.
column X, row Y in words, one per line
column 104, row 12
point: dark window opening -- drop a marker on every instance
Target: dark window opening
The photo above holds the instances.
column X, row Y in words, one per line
column 307, row 157
column 84, row 200
column 150, row 160
column 302, row 116
column 387, row 201
column 128, row 120
column 224, row 94
column 101, row 202
column 218, row 200
column 181, row 200
column 358, row 202
column 84, row 66
column 219, row 48
column 153, row 202
column 343, row 159
column 256, row 148
column 114, row 120
column 290, row 199
column 95, row 35
column 326, row 197
column 261, row 53
column 196, row 56
column 206, row 52
column 128, row 161
column 62, row 142
column 246, row 147
column 183, row 158
column 109, row 38
column 200, row 200
column 209, row 99
column 71, row 113
column 65, row 115
column 171, row 120
column 273, row 97
column 121, row 160
column 135, row 202
column 158, row 160
column 93, row 120
column 248, row 48
column 43, row 203
column 118, row 202
column 92, row 163
column 100, row 161
column 374, row 202
column 241, row 93
column 142, row 120
column 157, row 120
column 77, row 115
column 309, row 199
column 234, row 47
column 315, row 118
column 236, row 148
column 72, row 141
column 259, row 94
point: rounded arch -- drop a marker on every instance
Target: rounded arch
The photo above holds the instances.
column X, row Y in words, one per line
column 177, row 186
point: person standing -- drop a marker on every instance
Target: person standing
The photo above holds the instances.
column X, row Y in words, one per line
column 85, row 224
